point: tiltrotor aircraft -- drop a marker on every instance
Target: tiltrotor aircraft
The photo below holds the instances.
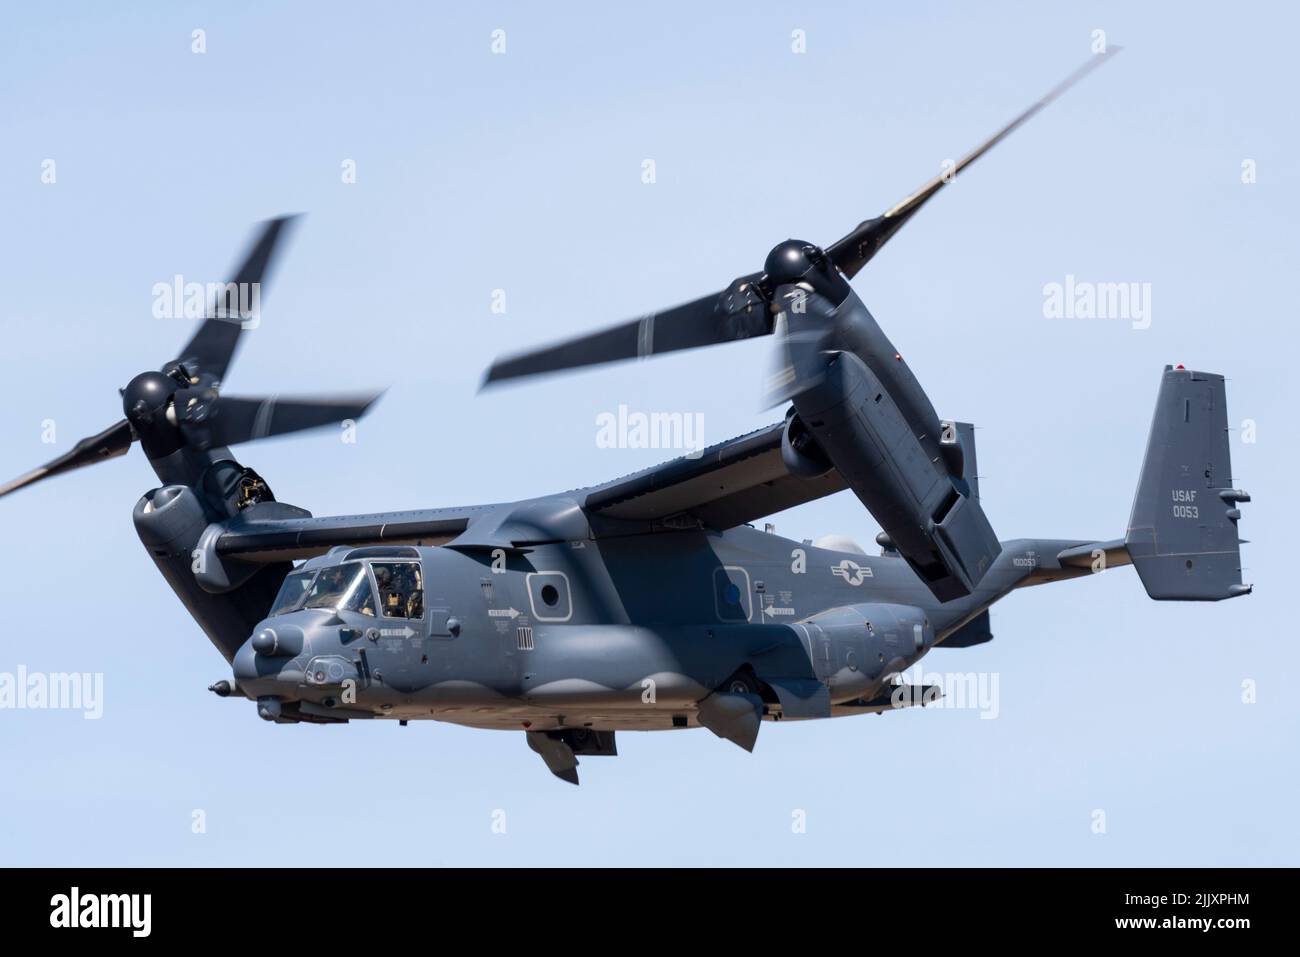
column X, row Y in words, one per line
column 546, row 615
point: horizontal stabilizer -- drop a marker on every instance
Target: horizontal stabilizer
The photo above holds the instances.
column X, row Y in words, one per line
column 1096, row 556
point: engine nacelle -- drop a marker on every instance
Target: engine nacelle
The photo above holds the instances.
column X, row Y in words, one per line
column 800, row 452
column 170, row 522
column 938, row 527
column 860, row 409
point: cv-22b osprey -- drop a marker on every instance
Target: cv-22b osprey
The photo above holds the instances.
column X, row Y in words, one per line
column 546, row 615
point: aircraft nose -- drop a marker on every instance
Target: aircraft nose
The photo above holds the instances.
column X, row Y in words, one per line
column 245, row 663
column 269, row 653
column 282, row 640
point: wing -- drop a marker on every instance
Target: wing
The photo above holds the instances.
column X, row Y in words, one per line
column 269, row 536
column 729, row 484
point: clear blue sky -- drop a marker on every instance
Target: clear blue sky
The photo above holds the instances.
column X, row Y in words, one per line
column 522, row 172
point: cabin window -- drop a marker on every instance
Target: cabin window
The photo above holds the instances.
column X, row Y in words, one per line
column 549, row 597
column 401, row 589
column 731, row 593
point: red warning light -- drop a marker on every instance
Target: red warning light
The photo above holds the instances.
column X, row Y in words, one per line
column 898, row 357
column 1181, row 366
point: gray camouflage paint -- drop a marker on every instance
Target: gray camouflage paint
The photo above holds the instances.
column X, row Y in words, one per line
column 694, row 627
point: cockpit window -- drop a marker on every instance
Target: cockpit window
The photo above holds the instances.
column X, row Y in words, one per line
column 401, row 589
column 291, row 592
column 345, row 586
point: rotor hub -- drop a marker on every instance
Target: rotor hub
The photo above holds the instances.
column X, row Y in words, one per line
column 146, row 398
column 790, row 261
column 796, row 261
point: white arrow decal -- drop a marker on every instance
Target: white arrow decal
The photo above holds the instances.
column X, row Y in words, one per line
column 773, row 610
column 503, row 613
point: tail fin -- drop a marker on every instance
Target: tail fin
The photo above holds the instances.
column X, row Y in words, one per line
column 1182, row 535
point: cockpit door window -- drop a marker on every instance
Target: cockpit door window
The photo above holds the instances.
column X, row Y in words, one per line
column 401, row 589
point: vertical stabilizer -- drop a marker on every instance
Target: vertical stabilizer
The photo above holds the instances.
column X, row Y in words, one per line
column 1182, row 534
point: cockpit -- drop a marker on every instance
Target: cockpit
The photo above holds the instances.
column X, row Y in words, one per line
column 388, row 589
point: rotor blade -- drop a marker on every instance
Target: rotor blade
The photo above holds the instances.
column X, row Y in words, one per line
column 213, row 345
column 110, row 443
column 797, row 364
column 856, row 249
column 737, row 312
column 232, row 419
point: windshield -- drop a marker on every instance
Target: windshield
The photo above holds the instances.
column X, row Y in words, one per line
column 346, row 587
column 291, row 592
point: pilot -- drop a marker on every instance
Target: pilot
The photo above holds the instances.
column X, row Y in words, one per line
column 414, row 594
column 389, row 599
column 404, row 578
column 408, row 590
